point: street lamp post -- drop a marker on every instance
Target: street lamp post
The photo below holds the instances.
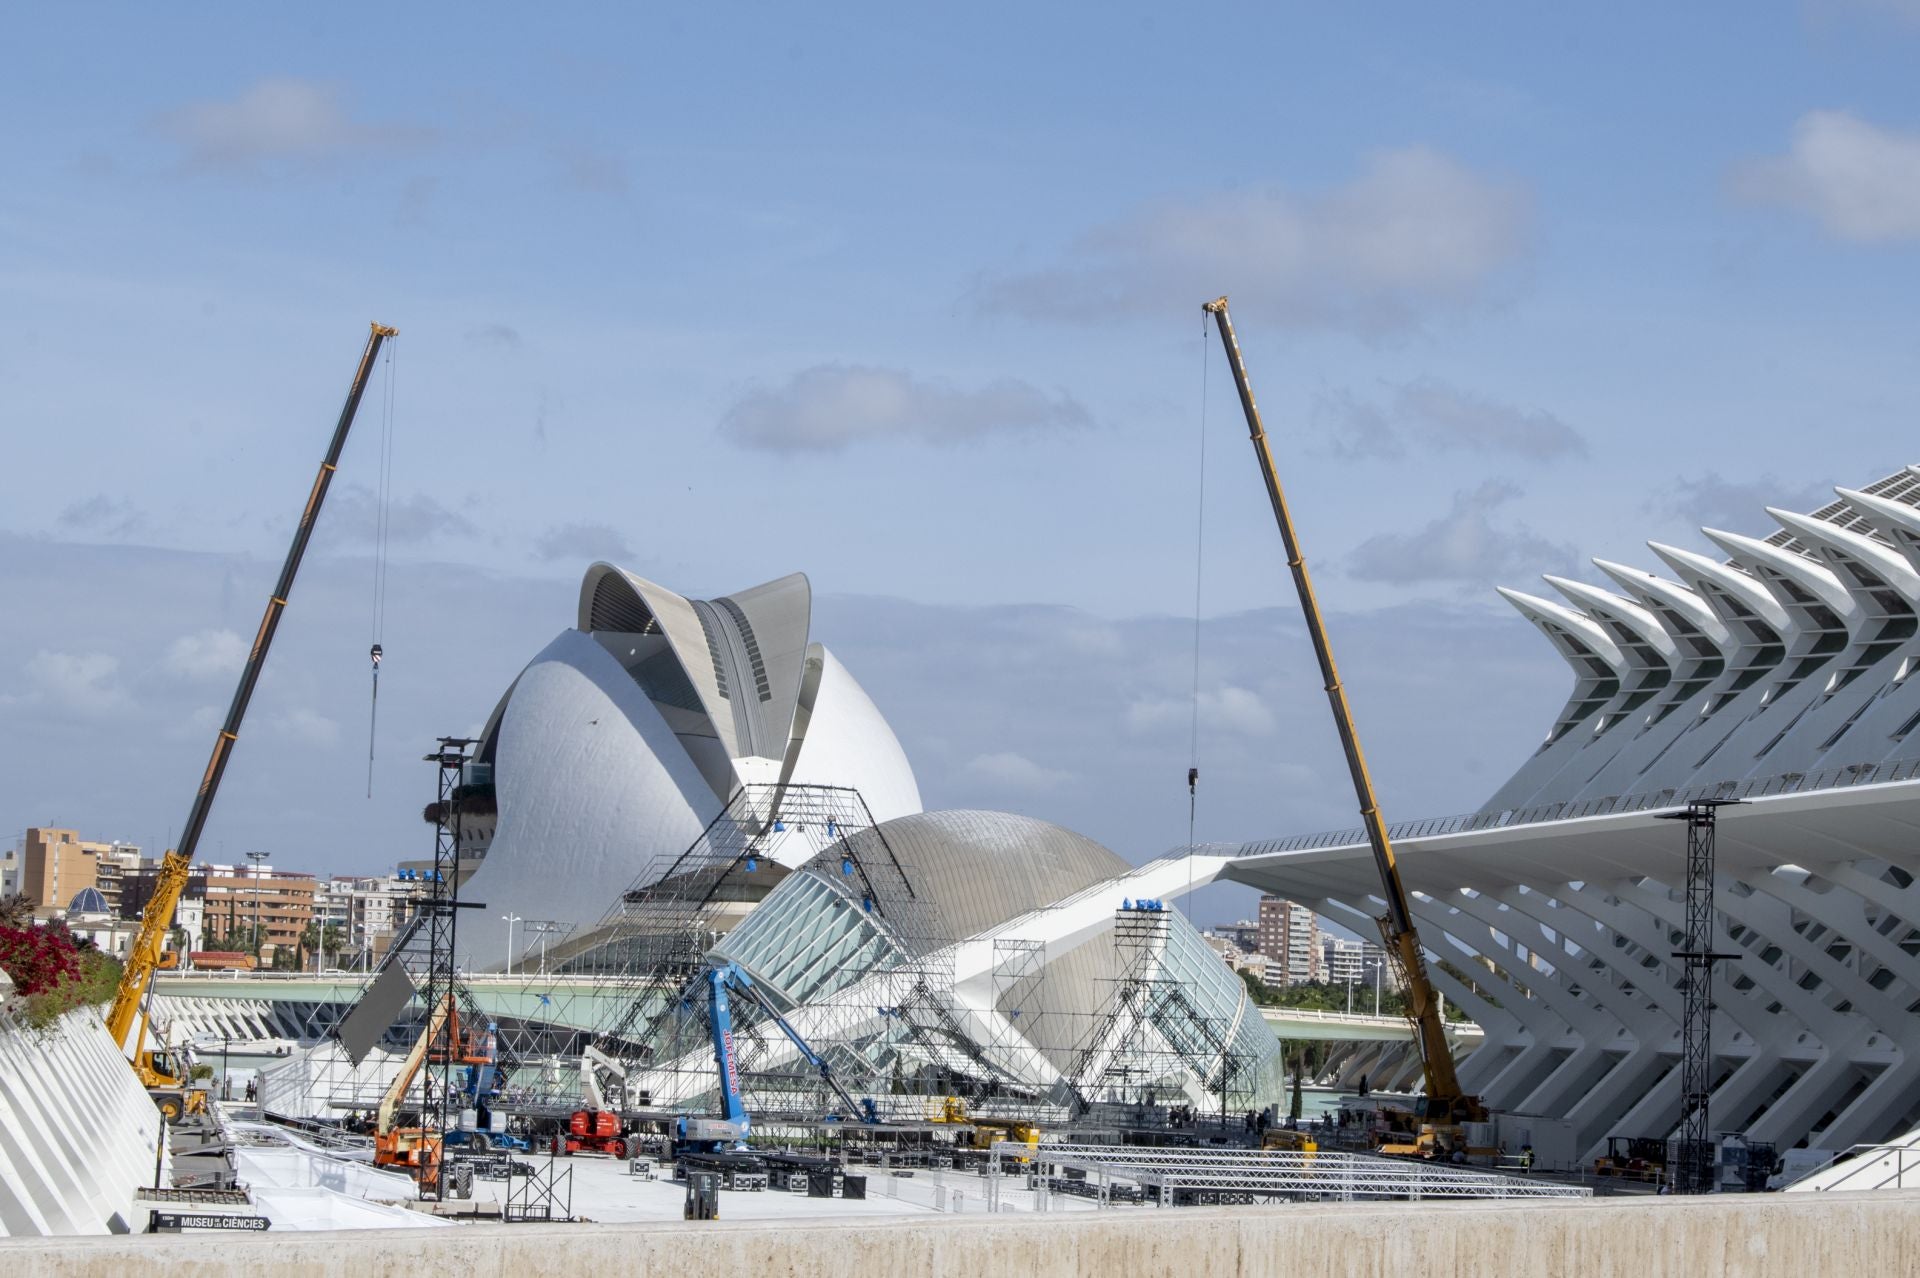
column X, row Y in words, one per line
column 256, row 858
column 1375, row 965
column 511, row 920
column 545, row 927
column 1349, row 993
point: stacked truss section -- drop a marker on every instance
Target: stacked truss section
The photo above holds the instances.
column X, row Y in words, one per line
column 1154, row 1045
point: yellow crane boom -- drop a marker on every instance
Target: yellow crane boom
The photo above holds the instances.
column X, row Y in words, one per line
column 143, row 957
column 1446, row 1103
column 136, row 979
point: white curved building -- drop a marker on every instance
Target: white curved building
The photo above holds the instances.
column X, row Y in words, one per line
column 1777, row 673
column 1017, row 961
column 625, row 736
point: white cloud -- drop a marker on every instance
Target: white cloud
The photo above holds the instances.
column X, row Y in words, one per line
column 1016, row 772
column 307, row 726
column 105, row 516
column 277, row 119
column 1430, row 412
column 1229, row 709
column 1415, row 229
column 503, row 336
column 1462, row 545
column 353, row 516
column 1860, row 181
column 211, row 654
column 1712, row 500
column 79, row 682
column 585, row 541
column 829, row 406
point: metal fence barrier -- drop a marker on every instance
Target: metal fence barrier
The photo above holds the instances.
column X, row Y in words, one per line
column 1110, row 1174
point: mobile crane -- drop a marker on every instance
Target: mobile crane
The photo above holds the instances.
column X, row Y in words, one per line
column 159, row 1072
column 165, row 1079
column 731, row 1129
column 1447, row 1107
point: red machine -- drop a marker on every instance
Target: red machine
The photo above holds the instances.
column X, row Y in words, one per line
column 594, row 1130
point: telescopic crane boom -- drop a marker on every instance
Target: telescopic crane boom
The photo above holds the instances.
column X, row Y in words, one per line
column 1446, row 1102
column 144, row 957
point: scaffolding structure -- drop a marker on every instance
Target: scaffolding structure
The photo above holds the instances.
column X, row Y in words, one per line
column 854, row 959
column 1694, row 1153
column 882, row 1016
column 1153, row 1045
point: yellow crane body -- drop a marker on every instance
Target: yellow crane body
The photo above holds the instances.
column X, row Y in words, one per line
column 1447, row 1104
column 127, row 1016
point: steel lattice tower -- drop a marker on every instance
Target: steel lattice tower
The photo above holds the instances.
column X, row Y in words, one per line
column 442, row 922
column 1692, row 1166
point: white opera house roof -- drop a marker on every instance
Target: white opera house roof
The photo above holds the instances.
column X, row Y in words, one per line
column 624, row 737
column 1777, row 672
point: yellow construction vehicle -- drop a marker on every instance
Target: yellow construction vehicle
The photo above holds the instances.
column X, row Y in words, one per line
column 986, row 1131
column 1642, row 1158
column 164, row 1077
column 1448, row 1110
column 1285, row 1138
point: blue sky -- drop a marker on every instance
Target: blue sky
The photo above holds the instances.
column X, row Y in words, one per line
column 911, row 302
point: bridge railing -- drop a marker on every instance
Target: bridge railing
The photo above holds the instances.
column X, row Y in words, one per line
column 1853, row 774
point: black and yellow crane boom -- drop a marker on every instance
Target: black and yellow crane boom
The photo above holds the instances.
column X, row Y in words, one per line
column 277, row 602
column 1446, row 1103
column 144, row 956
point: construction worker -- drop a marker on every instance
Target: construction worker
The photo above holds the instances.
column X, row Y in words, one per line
column 1526, row 1160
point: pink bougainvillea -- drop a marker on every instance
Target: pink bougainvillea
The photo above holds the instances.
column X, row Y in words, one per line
column 38, row 959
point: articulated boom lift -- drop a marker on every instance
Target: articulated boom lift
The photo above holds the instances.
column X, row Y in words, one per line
column 1447, row 1105
column 731, row 1128
column 415, row 1150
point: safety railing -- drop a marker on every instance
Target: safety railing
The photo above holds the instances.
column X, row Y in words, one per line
column 1853, row 774
column 1874, row 1167
column 1169, row 1177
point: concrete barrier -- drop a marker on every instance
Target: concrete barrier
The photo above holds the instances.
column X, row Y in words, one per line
column 1791, row 1236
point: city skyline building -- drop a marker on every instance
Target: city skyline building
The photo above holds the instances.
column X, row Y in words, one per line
column 1288, row 934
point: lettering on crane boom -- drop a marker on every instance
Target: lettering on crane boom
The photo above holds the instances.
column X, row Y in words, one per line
column 733, row 1066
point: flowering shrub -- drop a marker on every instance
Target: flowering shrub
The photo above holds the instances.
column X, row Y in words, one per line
column 39, row 959
column 53, row 973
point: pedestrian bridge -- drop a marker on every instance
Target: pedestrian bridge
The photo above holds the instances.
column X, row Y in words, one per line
column 306, row 1004
column 1295, row 1024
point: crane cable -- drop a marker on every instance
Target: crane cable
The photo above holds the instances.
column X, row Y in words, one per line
column 382, row 530
column 1199, row 561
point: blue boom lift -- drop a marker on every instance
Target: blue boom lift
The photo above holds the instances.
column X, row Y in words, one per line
column 725, row 981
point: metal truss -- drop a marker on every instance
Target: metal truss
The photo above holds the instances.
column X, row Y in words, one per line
column 1171, row 1175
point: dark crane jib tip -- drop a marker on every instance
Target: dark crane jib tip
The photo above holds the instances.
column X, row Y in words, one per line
column 383, row 330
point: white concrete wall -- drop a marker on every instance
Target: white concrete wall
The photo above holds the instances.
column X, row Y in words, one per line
column 1755, row 1236
column 77, row 1131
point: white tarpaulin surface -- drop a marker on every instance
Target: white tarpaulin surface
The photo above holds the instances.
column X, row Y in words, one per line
column 299, row 1185
column 308, row 1208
